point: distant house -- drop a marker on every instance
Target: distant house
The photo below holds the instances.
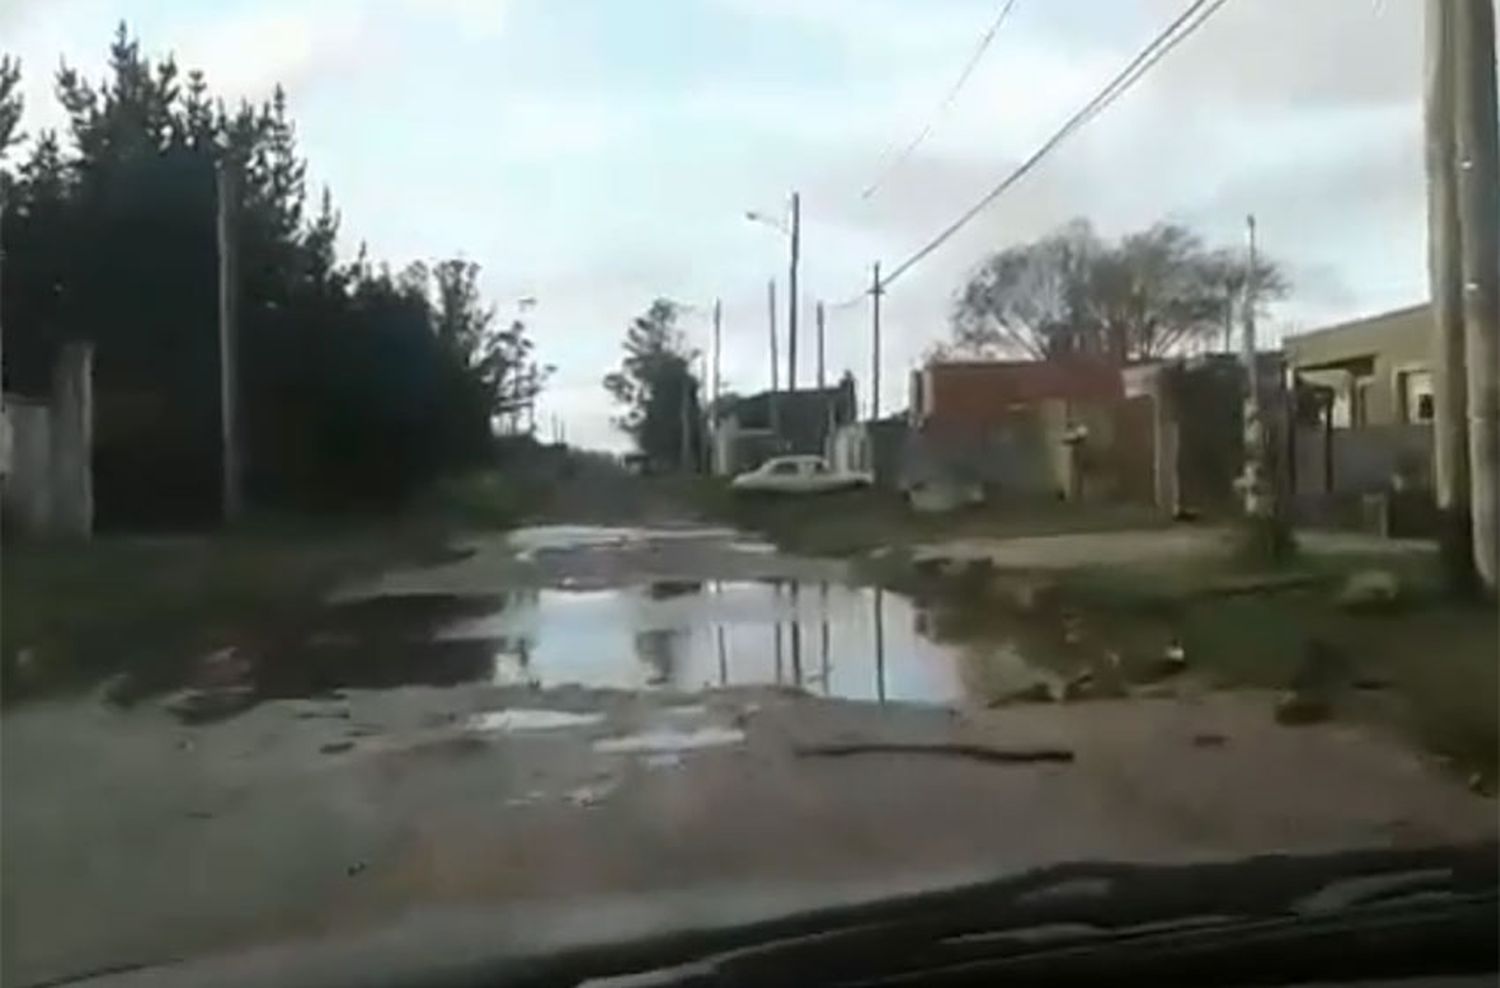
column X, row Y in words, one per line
column 1052, row 428
column 1364, row 410
column 756, row 427
column 1375, row 371
column 979, row 395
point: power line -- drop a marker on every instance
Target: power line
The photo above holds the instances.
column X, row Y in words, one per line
column 1174, row 34
column 943, row 107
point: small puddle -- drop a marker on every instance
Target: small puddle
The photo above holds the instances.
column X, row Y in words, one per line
column 519, row 719
column 669, row 741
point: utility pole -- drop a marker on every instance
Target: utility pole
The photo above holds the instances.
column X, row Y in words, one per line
column 822, row 382
column 773, row 410
column 875, row 292
column 771, row 320
column 228, row 183
column 1478, row 197
column 791, row 305
column 684, row 446
column 718, row 348
column 1257, row 490
column 1450, row 446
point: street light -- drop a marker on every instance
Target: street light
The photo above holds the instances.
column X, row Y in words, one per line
column 756, row 216
column 794, row 234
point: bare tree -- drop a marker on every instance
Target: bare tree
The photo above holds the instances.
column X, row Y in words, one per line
column 1030, row 300
column 1070, row 292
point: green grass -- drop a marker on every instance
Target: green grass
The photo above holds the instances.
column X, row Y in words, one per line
column 1436, row 660
column 76, row 613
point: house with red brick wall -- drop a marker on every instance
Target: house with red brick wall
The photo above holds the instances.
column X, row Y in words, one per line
column 976, row 395
column 1026, row 428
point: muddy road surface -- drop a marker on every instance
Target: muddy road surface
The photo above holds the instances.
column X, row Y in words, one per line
column 573, row 713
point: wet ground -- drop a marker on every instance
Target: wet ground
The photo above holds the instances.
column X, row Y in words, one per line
column 570, row 713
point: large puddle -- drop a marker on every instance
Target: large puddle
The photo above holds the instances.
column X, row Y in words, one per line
column 822, row 637
column 833, row 640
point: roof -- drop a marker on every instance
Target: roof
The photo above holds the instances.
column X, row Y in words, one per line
column 1355, row 327
column 1404, row 331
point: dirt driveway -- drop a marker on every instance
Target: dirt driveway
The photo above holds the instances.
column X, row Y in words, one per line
column 568, row 714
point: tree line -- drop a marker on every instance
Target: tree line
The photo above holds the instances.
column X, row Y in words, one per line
column 357, row 384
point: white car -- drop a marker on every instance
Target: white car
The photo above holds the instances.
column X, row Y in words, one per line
column 797, row 475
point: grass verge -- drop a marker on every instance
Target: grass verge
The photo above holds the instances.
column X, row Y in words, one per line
column 75, row 613
column 1424, row 664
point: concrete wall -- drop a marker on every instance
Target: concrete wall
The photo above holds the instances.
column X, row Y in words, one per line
column 49, row 488
column 1362, row 461
column 28, row 487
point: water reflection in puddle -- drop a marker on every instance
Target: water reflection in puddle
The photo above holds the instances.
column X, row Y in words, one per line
column 518, row 719
column 849, row 642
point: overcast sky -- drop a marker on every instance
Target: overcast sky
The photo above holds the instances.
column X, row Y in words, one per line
column 599, row 153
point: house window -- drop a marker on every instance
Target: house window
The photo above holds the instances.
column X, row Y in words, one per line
column 1415, row 390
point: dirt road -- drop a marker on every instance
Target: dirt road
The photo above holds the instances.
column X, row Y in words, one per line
column 572, row 713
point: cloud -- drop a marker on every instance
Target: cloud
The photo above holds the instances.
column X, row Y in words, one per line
column 248, row 52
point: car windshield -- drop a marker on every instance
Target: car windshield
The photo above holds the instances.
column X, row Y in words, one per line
column 490, row 475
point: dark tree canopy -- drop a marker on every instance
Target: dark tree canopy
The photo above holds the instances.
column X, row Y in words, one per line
column 1134, row 299
column 658, row 390
column 355, row 385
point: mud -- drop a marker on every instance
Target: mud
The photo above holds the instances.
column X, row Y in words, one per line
column 536, row 732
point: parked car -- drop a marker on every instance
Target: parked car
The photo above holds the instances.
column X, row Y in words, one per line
column 797, row 475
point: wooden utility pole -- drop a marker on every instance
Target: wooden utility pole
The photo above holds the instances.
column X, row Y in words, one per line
column 1445, row 277
column 228, row 183
column 1478, row 197
column 875, row 292
column 822, row 381
column 792, row 300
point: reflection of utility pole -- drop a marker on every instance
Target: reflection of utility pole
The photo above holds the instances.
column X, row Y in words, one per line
column 719, row 638
column 796, row 633
column 875, row 293
column 228, row 187
column 880, row 644
column 1478, row 162
column 823, row 634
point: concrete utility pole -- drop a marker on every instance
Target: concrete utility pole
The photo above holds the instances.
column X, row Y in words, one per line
column 718, row 348
column 1479, row 244
column 791, row 305
column 875, row 292
column 771, row 323
column 1257, row 491
column 774, row 410
column 1444, row 271
column 684, row 444
column 228, row 243
column 822, row 381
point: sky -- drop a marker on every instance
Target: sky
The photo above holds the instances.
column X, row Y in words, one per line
column 597, row 154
